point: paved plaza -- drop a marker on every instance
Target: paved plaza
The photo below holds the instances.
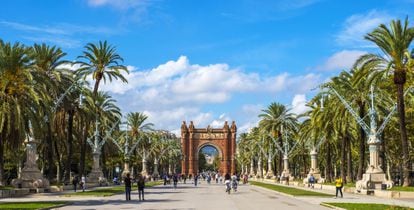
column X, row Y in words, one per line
column 204, row 196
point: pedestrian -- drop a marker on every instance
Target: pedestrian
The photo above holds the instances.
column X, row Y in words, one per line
column 165, row 179
column 83, row 183
column 175, row 180
column 217, row 177
column 338, row 184
column 141, row 186
column 75, row 182
column 195, row 179
column 311, row 181
column 185, row 178
column 245, row 179
column 127, row 181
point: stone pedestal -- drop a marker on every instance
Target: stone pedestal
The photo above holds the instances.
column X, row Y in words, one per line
column 126, row 169
column 374, row 177
column 251, row 174
column 30, row 176
column 155, row 173
column 285, row 174
column 314, row 170
column 96, row 175
column 259, row 173
column 270, row 174
column 144, row 171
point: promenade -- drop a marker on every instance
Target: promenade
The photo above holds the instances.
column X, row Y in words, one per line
column 185, row 197
column 204, row 197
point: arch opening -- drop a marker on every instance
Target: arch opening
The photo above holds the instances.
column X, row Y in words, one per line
column 209, row 158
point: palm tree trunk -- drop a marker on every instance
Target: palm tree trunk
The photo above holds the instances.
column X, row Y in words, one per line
column 96, row 86
column 103, row 155
column 2, row 141
column 83, row 149
column 49, row 152
column 70, row 147
column 280, row 153
column 362, row 140
column 403, row 133
column 349, row 161
column 343, row 157
column 328, row 174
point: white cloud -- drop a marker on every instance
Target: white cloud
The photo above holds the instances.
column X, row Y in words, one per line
column 119, row 4
column 299, row 104
column 178, row 90
column 358, row 25
column 344, row 59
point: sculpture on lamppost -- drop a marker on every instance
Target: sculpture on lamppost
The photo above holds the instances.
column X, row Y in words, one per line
column 286, row 151
column 164, row 137
column 374, row 175
column 96, row 175
column 314, row 169
column 270, row 153
column 126, row 151
column 30, row 176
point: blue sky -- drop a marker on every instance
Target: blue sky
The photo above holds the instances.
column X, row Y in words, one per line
column 209, row 61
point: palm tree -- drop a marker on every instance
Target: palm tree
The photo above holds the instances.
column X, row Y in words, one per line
column 18, row 98
column 47, row 63
column 138, row 128
column 394, row 43
column 137, row 122
column 102, row 62
column 274, row 118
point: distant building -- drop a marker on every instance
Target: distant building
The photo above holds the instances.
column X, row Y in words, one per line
column 209, row 158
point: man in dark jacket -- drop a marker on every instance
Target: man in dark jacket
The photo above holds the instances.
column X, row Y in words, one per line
column 127, row 182
column 141, row 186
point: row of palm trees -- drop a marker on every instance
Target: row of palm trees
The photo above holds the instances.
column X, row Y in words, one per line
column 390, row 73
column 42, row 96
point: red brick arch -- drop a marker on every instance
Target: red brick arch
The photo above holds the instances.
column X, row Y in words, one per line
column 193, row 139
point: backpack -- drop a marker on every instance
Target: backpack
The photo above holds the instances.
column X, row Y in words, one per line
column 312, row 179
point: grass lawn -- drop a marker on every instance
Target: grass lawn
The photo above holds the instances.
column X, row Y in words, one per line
column 400, row 188
column 108, row 191
column 350, row 184
column 367, row 206
column 289, row 190
column 6, row 187
column 31, row 205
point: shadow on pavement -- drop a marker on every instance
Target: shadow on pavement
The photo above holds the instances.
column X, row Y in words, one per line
column 117, row 202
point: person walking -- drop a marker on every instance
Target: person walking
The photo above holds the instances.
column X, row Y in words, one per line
column 141, row 186
column 195, row 179
column 127, row 181
column 227, row 182
column 83, row 183
column 75, row 182
column 175, row 180
column 311, row 181
column 338, row 184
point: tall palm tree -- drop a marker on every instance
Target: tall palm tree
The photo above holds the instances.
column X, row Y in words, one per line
column 47, row 63
column 102, row 62
column 138, row 129
column 137, row 122
column 394, row 43
column 18, row 98
column 275, row 118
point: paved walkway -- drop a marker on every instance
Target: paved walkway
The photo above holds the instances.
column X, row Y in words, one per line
column 187, row 197
column 351, row 198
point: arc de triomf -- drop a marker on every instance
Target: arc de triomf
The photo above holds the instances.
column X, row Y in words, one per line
column 194, row 139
